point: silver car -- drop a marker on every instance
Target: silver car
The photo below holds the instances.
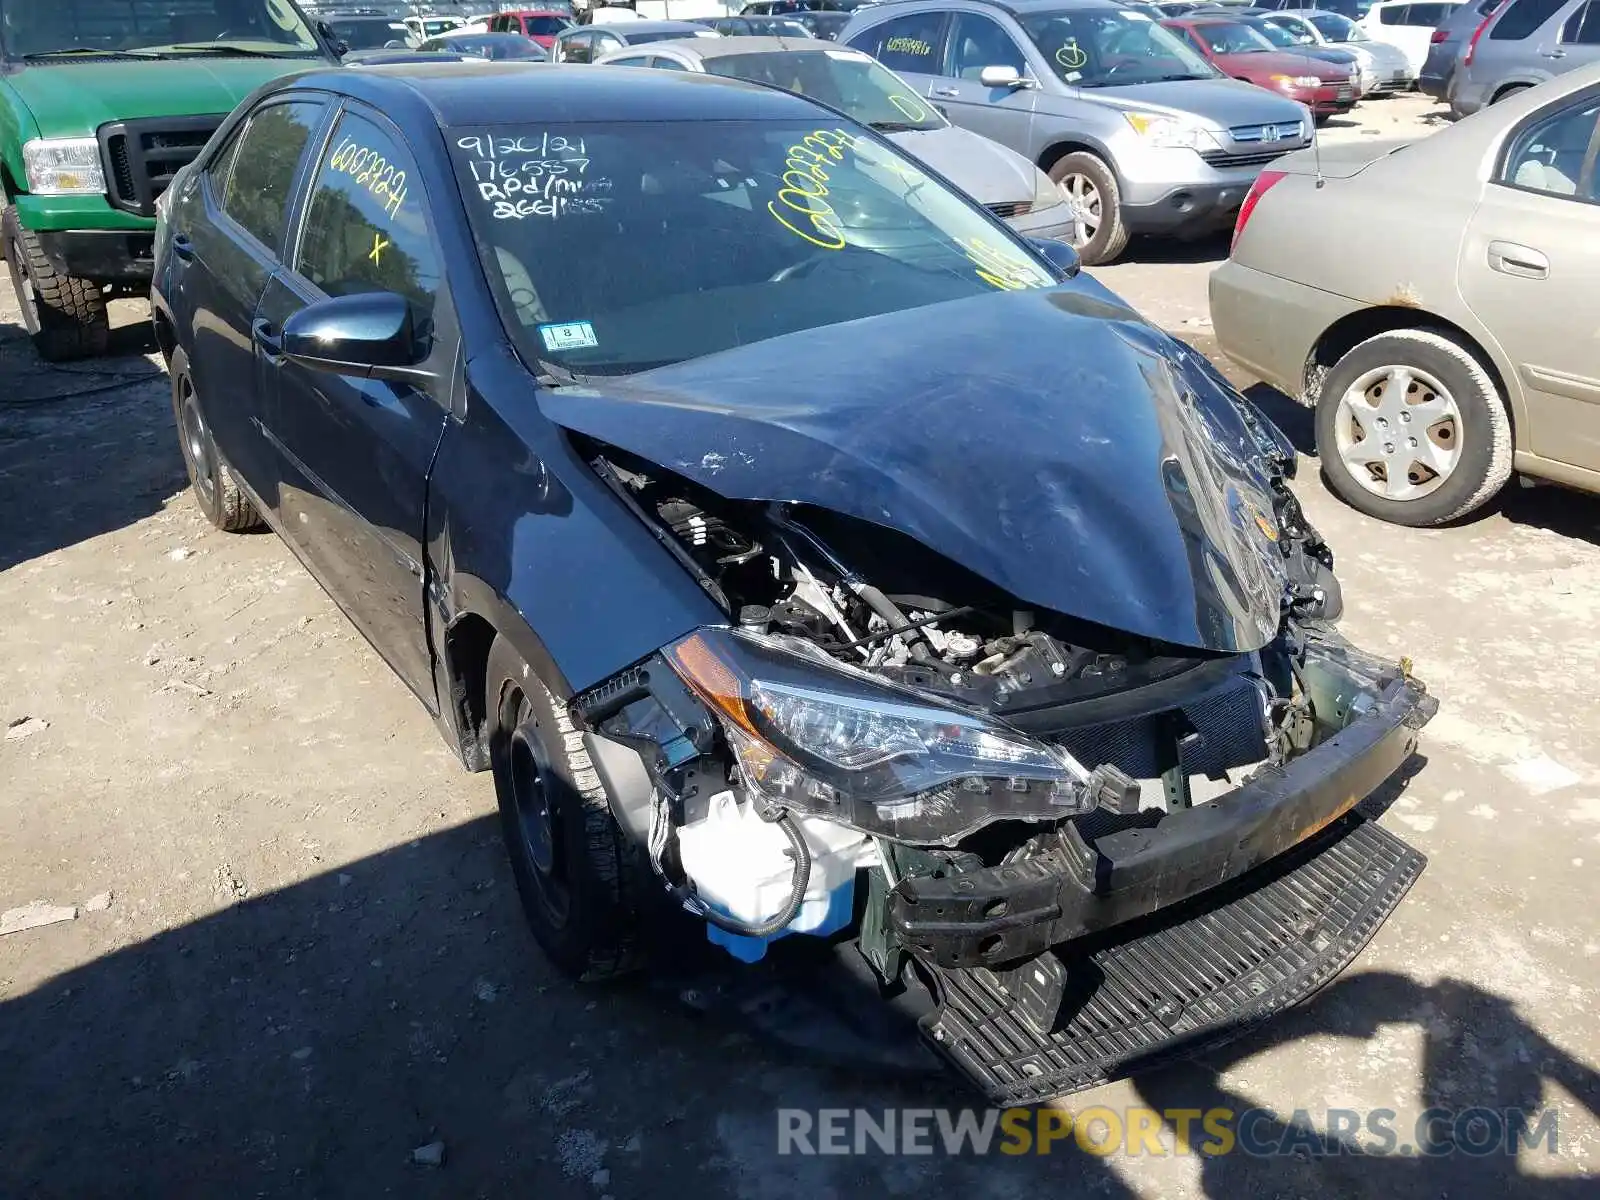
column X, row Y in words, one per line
column 1136, row 129
column 1004, row 182
column 1384, row 68
column 1520, row 44
column 1435, row 302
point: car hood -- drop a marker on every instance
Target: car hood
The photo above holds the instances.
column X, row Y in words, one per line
column 75, row 99
column 985, row 170
column 1381, row 55
column 1287, row 62
column 1224, row 102
column 1049, row 441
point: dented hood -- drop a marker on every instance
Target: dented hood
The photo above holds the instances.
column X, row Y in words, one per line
column 1050, row 441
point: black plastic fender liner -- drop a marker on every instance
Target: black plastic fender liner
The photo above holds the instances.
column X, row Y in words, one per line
column 1190, row 978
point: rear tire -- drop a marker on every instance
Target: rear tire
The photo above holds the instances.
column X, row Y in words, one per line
column 581, row 881
column 1507, row 93
column 66, row 317
column 1087, row 183
column 1438, row 369
column 216, row 493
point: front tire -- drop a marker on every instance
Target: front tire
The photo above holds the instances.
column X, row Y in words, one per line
column 579, row 878
column 66, row 317
column 1099, row 233
column 1412, row 429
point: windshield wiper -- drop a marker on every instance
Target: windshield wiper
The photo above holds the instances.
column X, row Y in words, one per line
column 553, row 375
column 245, row 51
column 894, row 126
column 87, row 52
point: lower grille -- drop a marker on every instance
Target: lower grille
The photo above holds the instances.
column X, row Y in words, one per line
column 1011, row 210
column 1183, row 981
column 141, row 157
column 1221, row 158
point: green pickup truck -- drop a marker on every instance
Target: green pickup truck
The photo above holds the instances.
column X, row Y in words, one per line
column 101, row 103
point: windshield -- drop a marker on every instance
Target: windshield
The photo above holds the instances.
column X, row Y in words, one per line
column 1273, row 34
column 543, row 26
column 1338, row 29
column 1231, row 37
column 37, row 27
column 367, row 35
column 852, row 82
column 614, row 248
column 497, row 46
column 1093, row 47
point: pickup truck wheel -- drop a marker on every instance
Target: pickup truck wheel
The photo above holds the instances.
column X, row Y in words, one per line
column 1412, row 429
column 66, row 317
column 217, row 495
column 1086, row 183
column 579, row 878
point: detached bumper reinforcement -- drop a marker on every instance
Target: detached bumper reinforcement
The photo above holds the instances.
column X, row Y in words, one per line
column 1188, row 979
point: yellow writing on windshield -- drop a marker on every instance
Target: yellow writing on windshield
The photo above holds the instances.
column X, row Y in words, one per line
column 802, row 204
column 1071, row 55
column 913, row 109
column 1003, row 268
column 372, row 171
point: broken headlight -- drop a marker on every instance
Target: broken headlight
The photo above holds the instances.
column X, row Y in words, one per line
column 823, row 739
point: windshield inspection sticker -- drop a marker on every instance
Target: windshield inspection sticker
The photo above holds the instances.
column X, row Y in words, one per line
column 570, row 335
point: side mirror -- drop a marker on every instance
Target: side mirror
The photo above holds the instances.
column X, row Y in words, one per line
column 1001, row 77
column 1060, row 255
column 371, row 335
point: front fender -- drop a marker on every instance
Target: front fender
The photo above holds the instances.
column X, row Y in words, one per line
column 17, row 126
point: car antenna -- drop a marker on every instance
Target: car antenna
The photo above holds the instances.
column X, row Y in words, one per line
column 1316, row 138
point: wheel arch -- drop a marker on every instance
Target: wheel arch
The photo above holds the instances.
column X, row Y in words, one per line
column 1351, row 330
column 1059, row 149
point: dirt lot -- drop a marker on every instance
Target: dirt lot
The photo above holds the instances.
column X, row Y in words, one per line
column 312, row 961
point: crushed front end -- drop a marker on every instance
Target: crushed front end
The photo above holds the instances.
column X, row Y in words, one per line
column 1092, row 849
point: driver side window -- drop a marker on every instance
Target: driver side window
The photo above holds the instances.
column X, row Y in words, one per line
column 977, row 42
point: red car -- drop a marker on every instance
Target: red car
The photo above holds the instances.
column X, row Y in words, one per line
column 540, row 24
column 1237, row 50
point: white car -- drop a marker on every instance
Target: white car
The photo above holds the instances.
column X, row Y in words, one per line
column 1408, row 26
column 420, row 29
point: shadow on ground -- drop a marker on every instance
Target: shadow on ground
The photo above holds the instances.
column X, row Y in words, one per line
column 86, row 447
column 304, row 1041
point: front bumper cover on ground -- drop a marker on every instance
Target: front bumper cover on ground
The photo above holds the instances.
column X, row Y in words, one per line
column 1011, row 912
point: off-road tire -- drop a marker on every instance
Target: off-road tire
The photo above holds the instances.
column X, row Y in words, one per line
column 66, row 317
column 1111, row 238
column 216, row 493
column 1485, row 436
column 597, row 936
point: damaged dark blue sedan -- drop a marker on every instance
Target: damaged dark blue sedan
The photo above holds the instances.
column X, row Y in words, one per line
column 797, row 546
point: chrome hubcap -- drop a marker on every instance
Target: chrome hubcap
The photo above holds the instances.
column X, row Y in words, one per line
column 1398, row 430
column 1083, row 198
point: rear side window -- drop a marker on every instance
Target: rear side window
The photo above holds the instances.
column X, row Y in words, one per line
column 1522, row 18
column 1428, row 16
column 1583, row 27
column 911, row 43
column 257, row 195
column 367, row 228
column 1395, row 14
column 1556, row 155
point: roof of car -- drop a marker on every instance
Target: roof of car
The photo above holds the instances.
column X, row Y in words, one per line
column 1015, row 7
column 724, row 46
column 632, row 27
column 460, row 93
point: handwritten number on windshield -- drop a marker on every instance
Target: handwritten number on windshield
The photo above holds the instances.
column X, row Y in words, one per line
column 805, row 188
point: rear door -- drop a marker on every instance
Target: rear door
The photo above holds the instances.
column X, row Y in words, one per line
column 912, row 47
column 1578, row 43
column 357, row 451
column 235, row 246
column 1005, row 114
column 1529, row 262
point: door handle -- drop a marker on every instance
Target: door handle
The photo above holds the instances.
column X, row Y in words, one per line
column 1524, row 262
column 1553, row 53
column 182, row 246
column 944, row 91
column 265, row 335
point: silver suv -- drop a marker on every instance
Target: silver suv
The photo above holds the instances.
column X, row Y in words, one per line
column 1521, row 44
column 1138, row 132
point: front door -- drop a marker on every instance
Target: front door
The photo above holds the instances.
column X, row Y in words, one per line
column 1004, row 113
column 911, row 46
column 1529, row 263
column 356, row 452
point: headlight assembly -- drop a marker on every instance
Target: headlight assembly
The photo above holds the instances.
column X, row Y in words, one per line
column 1167, row 132
column 63, row 167
column 1302, row 81
column 822, row 739
column 1045, row 192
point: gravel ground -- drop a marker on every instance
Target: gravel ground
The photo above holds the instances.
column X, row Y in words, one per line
column 297, row 966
